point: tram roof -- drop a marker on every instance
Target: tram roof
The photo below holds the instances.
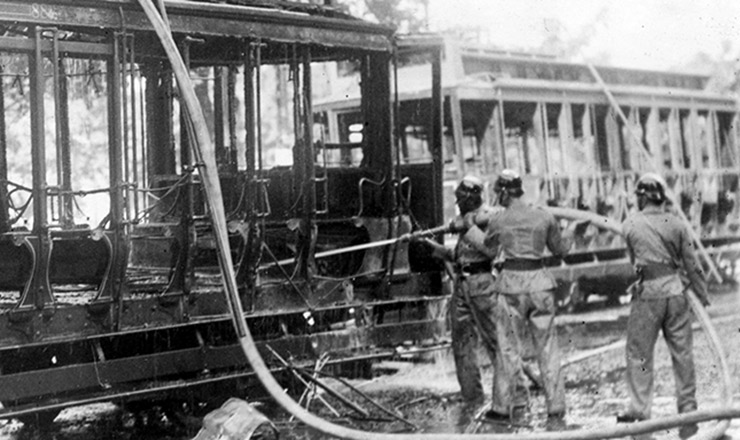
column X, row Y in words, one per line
column 478, row 73
column 276, row 20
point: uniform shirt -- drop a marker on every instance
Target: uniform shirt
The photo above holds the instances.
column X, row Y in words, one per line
column 470, row 248
column 522, row 231
column 643, row 231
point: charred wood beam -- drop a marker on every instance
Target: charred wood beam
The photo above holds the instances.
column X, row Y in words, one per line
column 204, row 19
column 4, row 215
column 69, row 48
column 85, row 378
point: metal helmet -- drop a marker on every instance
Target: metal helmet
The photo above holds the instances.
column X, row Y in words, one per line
column 470, row 189
column 651, row 186
column 510, row 182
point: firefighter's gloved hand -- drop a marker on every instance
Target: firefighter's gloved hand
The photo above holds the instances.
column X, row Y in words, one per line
column 703, row 299
column 458, row 225
column 463, row 224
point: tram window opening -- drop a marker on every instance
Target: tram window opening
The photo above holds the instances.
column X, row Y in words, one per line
column 631, row 139
column 177, row 130
column 355, row 133
column 470, row 147
column 449, row 145
column 727, row 150
column 413, row 120
column 276, row 107
column 643, row 118
column 73, row 161
column 416, row 144
column 17, row 113
column 664, row 137
column 554, row 150
column 348, row 151
column 520, row 142
column 619, row 139
column 88, row 138
column 685, row 137
column 582, row 153
column 600, row 114
column 704, row 137
column 210, row 86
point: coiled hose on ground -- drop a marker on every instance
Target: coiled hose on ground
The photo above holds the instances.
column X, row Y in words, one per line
column 204, row 151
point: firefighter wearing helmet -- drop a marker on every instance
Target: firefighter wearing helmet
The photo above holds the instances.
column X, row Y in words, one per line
column 508, row 186
column 661, row 250
column 522, row 233
column 474, row 311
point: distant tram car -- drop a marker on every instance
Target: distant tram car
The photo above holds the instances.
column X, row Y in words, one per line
column 109, row 281
column 580, row 136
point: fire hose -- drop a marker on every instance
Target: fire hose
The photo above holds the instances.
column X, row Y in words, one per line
column 205, row 152
column 364, row 246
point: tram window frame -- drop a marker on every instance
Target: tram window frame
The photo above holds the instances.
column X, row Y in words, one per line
column 86, row 135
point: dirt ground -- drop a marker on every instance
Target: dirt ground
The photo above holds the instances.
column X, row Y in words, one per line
column 426, row 395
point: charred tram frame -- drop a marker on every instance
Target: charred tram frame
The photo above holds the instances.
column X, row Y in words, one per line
column 128, row 304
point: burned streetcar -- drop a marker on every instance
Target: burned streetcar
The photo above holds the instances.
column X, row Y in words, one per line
column 109, row 275
column 580, row 136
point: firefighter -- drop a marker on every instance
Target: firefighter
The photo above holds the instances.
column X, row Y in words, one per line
column 476, row 311
column 521, row 233
column 661, row 250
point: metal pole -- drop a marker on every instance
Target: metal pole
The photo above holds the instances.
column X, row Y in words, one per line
column 4, row 216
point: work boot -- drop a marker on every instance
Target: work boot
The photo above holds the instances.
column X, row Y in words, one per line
column 688, row 431
column 521, row 397
column 497, row 416
column 629, row 418
column 555, row 421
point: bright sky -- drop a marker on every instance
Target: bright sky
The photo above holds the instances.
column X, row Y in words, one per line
column 647, row 34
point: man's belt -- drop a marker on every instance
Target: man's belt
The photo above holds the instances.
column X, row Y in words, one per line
column 656, row 270
column 523, row 264
column 474, row 268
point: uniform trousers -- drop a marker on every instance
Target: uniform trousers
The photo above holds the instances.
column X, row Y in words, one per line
column 647, row 318
column 478, row 313
column 536, row 312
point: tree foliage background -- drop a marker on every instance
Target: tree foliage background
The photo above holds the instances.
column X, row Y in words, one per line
column 412, row 16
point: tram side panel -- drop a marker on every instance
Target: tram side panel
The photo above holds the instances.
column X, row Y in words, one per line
column 577, row 152
column 583, row 156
